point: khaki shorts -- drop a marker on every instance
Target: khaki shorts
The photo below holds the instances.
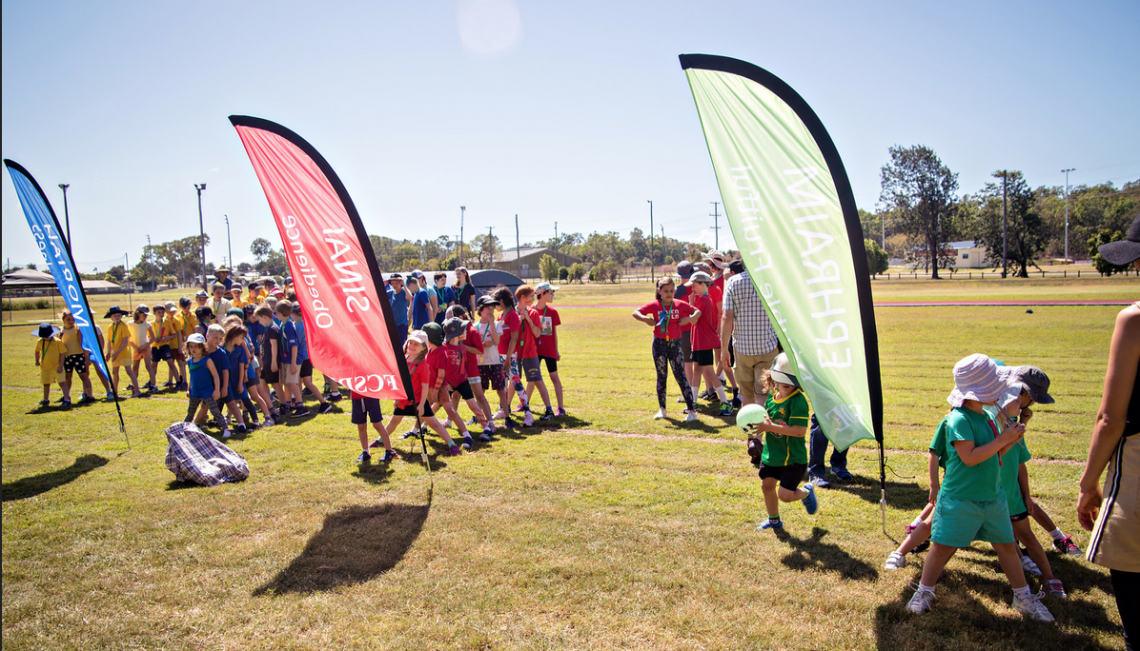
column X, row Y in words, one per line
column 749, row 369
column 1115, row 541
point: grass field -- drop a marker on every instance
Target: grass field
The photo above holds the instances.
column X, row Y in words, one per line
column 610, row 531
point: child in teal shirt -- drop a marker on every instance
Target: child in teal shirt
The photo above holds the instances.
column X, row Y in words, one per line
column 971, row 504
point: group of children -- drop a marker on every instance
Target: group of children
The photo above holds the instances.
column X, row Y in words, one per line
column 506, row 341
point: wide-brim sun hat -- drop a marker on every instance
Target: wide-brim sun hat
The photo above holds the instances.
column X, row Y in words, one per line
column 1030, row 379
column 781, row 371
column 1125, row 251
column 716, row 258
column 115, row 309
column 977, row 377
column 46, row 330
column 454, row 327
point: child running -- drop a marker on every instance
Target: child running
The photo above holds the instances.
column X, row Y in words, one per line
column 419, row 407
column 784, row 461
column 667, row 315
column 205, row 383
column 970, row 503
column 49, row 357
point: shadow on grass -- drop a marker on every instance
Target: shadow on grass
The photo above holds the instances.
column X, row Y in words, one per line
column 39, row 484
column 355, row 545
column 1077, row 575
column 908, row 496
column 812, row 554
column 374, row 473
column 960, row 620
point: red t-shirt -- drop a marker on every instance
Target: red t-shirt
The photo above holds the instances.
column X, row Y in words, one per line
column 421, row 375
column 436, row 361
column 511, row 323
column 455, row 373
column 548, row 321
column 704, row 330
column 718, row 282
column 471, row 360
column 679, row 310
column 682, row 293
column 717, row 296
column 528, row 343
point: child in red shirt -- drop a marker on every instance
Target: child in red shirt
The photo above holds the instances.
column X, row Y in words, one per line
column 415, row 352
column 549, row 321
column 528, row 356
column 667, row 315
column 706, row 338
column 510, row 338
column 452, row 378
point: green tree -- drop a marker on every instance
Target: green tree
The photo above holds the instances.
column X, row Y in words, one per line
column 563, row 273
column 1104, row 267
column 920, row 193
column 31, row 265
column 261, row 248
column 1025, row 234
column 877, row 260
column 275, row 263
column 117, row 272
column 548, row 267
column 575, row 272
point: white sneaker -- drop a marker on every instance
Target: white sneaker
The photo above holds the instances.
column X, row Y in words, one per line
column 498, row 415
column 446, row 423
column 226, row 433
column 920, row 602
column 1030, row 567
column 895, row 561
column 691, row 416
column 1033, row 607
column 681, row 399
column 659, row 415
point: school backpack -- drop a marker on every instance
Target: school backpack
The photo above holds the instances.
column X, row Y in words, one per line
column 196, row 457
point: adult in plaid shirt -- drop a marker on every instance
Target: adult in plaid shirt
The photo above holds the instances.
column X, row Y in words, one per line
column 753, row 337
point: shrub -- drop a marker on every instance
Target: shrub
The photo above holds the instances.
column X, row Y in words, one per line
column 575, row 272
column 563, row 273
column 27, row 304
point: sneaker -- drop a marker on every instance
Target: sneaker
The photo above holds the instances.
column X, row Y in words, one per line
column 737, row 403
column 410, row 433
column 548, row 415
column 1067, row 546
column 335, row 397
column 528, row 419
column 241, row 429
column 468, row 443
column 498, row 415
column 226, row 433
column 1054, row 588
column 388, row 456
column 376, row 444
column 725, row 409
column 45, row 403
column 1029, row 566
column 920, row 602
column 489, row 429
column 110, row 396
column 325, row 408
column 1033, row 608
column 923, row 546
column 305, row 392
column 364, row 457
column 65, row 402
column 300, row 412
column 755, row 450
column 454, row 450
column 486, row 436
column 86, row 399
column 521, row 409
column 819, row 481
column 691, row 416
column 659, row 415
column 269, row 422
column 910, row 528
column 681, row 399
column 509, row 423
column 895, row 561
column 811, row 504
column 770, row 524
column 473, row 421
column 561, row 412
column 168, row 384
column 841, row 474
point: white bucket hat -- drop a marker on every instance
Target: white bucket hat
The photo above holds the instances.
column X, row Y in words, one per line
column 977, row 378
column 782, row 370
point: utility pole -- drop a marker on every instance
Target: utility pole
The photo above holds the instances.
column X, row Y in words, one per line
column 716, row 224
column 229, row 246
column 1004, row 174
column 491, row 244
column 201, row 231
column 66, row 218
column 518, row 251
column 462, row 209
column 652, row 273
column 883, row 220
column 1066, row 171
column 149, row 265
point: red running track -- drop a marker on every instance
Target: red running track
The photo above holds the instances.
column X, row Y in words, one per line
column 1022, row 303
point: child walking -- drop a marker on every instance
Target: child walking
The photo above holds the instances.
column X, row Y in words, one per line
column 667, row 315
column 784, row 461
column 205, row 383
column 49, row 357
column 970, row 504
column 365, row 409
column 419, row 407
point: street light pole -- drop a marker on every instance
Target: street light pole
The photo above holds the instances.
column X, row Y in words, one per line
column 462, row 209
column 66, row 218
column 1004, row 174
column 716, row 224
column 229, row 246
column 201, row 231
column 1066, row 171
column 652, row 272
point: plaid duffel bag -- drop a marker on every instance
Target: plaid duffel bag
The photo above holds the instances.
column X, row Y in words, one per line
column 194, row 456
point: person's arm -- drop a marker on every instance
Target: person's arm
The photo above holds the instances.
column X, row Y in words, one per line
column 494, row 334
column 692, row 318
column 646, row 319
column 972, row 455
column 932, row 468
column 423, row 397
column 511, row 346
column 434, row 307
column 37, row 355
column 1110, row 419
column 768, row 425
column 435, row 387
column 214, row 374
column 535, row 330
column 150, row 338
column 726, row 324
column 225, row 381
column 273, row 354
column 241, row 377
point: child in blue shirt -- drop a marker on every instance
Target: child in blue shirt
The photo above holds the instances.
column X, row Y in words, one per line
column 205, row 383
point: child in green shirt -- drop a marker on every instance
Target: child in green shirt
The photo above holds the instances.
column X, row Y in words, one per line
column 971, row 504
column 784, row 460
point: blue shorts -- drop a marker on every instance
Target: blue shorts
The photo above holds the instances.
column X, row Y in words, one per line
column 957, row 523
column 366, row 409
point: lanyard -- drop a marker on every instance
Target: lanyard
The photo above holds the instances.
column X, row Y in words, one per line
column 665, row 319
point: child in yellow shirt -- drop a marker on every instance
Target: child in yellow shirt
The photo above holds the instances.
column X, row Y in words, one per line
column 74, row 357
column 49, row 357
column 118, row 351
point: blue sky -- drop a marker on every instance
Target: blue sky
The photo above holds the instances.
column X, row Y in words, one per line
column 575, row 113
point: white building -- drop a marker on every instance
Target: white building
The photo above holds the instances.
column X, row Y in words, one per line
column 968, row 254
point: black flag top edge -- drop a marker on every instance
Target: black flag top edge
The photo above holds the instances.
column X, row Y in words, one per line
column 82, row 294
column 357, row 225
column 846, row 201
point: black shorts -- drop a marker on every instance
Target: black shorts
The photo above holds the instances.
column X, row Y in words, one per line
column 410, row 411
column 307, row 369
column 1019, row 517
column 687, row 345
column 532, row 371
column 551, row 364
column 703, row 357
column 366, row 407
column 464, row 390
column 492, row 375
column 789, row 476
column 731, row 354
column 75, row 363
column 162, row 353
column 270, row 377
